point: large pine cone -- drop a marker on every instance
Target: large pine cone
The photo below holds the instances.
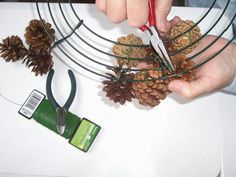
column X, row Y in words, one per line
column 119, row 89
column 37, row 36
column 187, row 38
column 40, row 61
column 129, row 52
column 149, row 93
column 12, row 49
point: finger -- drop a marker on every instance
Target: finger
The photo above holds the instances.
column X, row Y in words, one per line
column 174, row 21
column 162, row 9
column 116, row 10
column 169, row 25
column 192, row 89
column 137, row 12
column 102, row 5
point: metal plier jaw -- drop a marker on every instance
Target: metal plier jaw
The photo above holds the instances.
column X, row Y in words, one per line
column 159, row 47
column 155, row 38
column 61, row 119
column 61, row 111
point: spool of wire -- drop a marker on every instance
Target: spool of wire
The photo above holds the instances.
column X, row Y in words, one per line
column 46, row 116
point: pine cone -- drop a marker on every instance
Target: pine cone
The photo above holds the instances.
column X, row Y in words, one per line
column 150, row 93
column 181, row 64
column 41, row 61
column 118, row 89
column 129, row 52
column 12, row 49
column 37, row 37
column 187, row 38
column 150, row 53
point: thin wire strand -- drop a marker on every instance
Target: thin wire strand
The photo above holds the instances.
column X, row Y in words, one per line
column 10, row 101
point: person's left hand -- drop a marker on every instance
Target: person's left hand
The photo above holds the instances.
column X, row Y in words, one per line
column 213, row 75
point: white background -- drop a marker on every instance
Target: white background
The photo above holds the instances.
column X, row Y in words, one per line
column 175, row 139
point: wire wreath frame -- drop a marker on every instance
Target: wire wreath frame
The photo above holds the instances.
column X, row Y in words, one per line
column 64, row 39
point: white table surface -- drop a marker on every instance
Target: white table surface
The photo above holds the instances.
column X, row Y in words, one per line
column 175, row 139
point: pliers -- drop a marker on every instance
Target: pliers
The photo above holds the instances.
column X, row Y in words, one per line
column 155, row 39
column 61, row 111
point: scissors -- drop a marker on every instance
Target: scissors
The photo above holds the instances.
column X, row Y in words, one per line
column 155, row 39
column 61, row 111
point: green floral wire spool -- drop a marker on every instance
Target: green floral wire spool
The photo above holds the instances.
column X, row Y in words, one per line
column 46, row 116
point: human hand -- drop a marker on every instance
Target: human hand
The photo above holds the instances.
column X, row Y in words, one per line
column 213, row 75
column 136, row 11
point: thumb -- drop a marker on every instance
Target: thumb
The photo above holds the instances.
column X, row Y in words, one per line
column 191, row 89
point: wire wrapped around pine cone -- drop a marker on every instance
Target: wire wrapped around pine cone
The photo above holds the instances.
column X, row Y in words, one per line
column 187, row 38
column 150, row 93
column 119, row 88
column 39, row 35
column 12, row 49
column 128, row 51
column 40, row 61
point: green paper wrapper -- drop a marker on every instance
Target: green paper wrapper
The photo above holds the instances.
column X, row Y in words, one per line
column 46, row 116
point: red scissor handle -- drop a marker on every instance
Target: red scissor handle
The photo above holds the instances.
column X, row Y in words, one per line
column 143, row 28
column 151, row 17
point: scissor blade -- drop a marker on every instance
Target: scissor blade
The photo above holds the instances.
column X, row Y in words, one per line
column 159, row 47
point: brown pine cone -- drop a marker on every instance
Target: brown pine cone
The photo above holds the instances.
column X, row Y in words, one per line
column 119, row 89
column 187, row 38
column 180, row 63
column 12, row 49
column 37, row 36
column 129, row 52
column 40, row 61
column 149, row 93
column 150, row 56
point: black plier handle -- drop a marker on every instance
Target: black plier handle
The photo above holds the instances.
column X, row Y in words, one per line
column 61, row 110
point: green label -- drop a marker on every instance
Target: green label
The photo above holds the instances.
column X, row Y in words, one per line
column 85, row 135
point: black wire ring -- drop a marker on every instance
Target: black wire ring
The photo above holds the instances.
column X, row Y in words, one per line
column 81, row 23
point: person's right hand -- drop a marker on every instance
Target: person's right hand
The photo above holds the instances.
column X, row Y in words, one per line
column 136, row 12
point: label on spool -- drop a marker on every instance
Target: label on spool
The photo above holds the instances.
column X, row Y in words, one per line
column 31, row 104
column 85, row 135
